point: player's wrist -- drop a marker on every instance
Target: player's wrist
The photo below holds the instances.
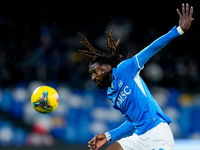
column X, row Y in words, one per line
column 108, row 136
column 180, row 31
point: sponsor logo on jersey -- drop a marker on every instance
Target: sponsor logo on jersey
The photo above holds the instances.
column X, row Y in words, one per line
column 123, row 94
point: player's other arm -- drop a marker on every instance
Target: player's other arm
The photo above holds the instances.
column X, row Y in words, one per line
column 100, row 139
column 185, row 20
column 122, row 130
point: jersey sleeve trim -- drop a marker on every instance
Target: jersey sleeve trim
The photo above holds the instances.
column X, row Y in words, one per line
column 108, row 136
column 180, row 31
column 138, row 63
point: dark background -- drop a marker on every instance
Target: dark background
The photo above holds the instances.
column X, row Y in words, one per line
column 21, row 23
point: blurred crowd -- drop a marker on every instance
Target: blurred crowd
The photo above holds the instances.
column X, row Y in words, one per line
column 83, row 113
column 47, row 55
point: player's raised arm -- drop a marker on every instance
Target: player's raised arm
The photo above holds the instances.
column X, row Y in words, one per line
column 185, row 20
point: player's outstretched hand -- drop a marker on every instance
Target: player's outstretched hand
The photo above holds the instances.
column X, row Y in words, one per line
column 185, row 19
column 98, row 141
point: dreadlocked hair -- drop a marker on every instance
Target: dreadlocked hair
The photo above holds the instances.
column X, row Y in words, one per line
column 112, row 60
column 112, row 57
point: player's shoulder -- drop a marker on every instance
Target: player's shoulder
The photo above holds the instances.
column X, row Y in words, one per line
column 126, row 67
column 126, row 62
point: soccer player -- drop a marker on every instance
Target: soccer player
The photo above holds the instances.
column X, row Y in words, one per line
column 130, row 95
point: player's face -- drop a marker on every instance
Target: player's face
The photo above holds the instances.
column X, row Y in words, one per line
column 100, row 74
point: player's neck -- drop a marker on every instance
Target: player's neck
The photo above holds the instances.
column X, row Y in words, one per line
column 110, row 79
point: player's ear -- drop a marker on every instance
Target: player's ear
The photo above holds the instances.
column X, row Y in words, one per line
column 108, row 68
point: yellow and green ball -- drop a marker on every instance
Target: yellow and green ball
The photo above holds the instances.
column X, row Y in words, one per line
column 45, row 99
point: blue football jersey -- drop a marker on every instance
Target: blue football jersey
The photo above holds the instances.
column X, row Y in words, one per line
column 130, row 95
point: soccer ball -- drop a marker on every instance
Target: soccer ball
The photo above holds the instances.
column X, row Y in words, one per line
column 45, row 99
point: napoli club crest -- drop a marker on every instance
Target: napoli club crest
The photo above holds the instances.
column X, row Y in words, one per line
column 120, row 83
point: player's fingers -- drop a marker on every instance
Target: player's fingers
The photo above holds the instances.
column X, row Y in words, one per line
column 179, row 13
column 183, row 9
column 117, row 43
column 187, row 9
column 108, row 34
column 91, row 147
column 91, row 141
column 97, row 148
column 95, row 140
column 111, row 30
column 191, row 12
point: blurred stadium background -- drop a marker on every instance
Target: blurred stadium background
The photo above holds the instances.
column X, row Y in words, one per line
column 38, row 46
